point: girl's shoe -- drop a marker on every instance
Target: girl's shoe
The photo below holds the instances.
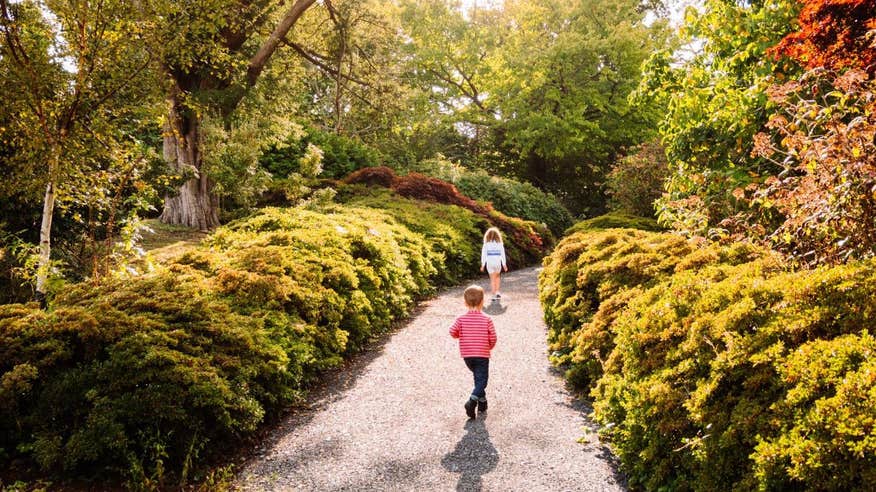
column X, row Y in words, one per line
column 470, row 408
column 482, row 406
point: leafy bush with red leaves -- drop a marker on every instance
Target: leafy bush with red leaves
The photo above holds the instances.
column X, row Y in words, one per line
column 373, row 176
column 834, row 34
column 822, row 138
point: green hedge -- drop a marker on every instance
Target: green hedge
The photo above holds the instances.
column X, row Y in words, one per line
column 714, row 368
column 526, row 242
column 341, row 155
column 147, row 377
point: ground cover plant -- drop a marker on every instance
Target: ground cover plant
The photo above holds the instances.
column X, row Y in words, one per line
column 716, row 367
column 146, row 377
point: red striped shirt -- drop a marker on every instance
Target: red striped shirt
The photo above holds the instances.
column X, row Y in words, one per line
column 476, row 334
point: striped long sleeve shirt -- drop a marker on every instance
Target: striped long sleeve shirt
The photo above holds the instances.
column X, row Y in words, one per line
column 476, row 334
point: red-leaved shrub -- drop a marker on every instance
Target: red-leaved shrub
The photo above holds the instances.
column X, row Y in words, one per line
column 833, row 34
column 422, row 187
column 379, row 175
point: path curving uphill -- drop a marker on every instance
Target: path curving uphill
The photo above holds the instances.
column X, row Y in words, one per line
column 394, row 419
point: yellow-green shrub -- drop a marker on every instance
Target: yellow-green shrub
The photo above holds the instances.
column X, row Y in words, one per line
column 615, row 220
column 149, row 376
column 741, row 377
column 725, row 372
column 590, row 277
column 113, row 371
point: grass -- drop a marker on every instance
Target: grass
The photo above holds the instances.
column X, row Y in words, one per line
column 164, row 241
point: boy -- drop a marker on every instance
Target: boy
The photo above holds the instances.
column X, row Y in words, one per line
column 477, row 336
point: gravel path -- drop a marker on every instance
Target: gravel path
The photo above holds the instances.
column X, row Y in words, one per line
column 394, row 419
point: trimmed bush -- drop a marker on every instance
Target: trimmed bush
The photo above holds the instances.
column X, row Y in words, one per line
column 615, row 220
column 591, row 276
column 148, row 376
column 717, row 369
column 122, row 376
column 516, row 199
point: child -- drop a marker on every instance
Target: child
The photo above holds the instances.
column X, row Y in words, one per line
column 493, row 258
column 477, row 336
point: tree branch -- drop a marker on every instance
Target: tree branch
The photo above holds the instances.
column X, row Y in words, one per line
column 20, row 57
column 317, row 59
column 260, row 59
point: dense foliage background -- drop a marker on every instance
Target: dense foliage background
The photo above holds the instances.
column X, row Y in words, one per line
column 726, row 347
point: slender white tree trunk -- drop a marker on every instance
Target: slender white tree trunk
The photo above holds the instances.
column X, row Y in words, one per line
column 45, row 243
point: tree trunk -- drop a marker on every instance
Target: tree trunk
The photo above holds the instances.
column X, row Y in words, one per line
column 536, row 170
column 45, row 243
column 195, row 205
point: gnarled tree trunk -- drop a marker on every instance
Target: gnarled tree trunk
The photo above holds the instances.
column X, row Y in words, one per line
column 195, row 205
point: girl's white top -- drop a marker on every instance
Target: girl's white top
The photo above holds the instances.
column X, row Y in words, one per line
column 492, row 251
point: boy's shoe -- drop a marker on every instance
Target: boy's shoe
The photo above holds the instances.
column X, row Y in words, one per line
column 482, row 406
column 470, row 408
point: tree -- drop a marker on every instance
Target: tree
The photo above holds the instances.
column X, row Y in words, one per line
column 64, row 63
column 564, row 86
column 834, row 34
column 713, row 95
column 211, row 54
column 539, row 89
column 356, row 84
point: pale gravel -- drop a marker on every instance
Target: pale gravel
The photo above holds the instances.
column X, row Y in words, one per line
column 393, row 419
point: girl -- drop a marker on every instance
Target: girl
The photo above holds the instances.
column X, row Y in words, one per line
column 493, row 258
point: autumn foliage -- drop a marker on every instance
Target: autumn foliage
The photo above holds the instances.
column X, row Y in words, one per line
column 826, row 195
column 373, row 176
column 835, row 34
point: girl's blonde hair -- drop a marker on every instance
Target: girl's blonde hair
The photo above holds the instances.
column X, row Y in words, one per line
column 493, row 235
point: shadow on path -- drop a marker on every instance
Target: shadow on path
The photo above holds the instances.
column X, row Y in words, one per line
column 473, row 457
column 495, row 308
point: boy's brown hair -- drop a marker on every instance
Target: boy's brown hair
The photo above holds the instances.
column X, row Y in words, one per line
column 474, row 296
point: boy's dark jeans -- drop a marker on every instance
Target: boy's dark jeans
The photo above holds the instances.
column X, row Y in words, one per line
column 480, row 367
